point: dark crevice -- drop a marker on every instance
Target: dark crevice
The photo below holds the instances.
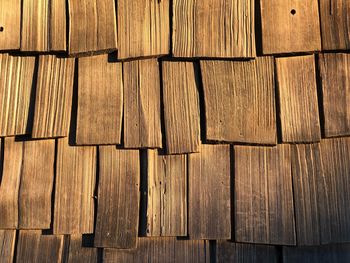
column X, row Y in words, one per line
column 74, row 113
column 232, row 192
column 2, row 154
column 258, row 29
column 143, row 194
column 212, row 251
column 162, row 117
column 97, row 181
column 278, row 108
column 30, row 120
column 200, row 88
column 16, row 247
column 320, row 96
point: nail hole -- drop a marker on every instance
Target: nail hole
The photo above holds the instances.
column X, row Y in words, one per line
column 293, row 12
column 1, row 28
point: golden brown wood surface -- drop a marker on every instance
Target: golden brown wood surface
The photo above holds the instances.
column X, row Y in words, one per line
column 10, row 24
column 213, row 28
column 142, row 113
column 80, row 254
column 7, row 245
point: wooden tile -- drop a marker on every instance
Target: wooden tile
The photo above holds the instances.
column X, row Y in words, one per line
column 16, row 77
column 240, row 101
column 334, row 200
column 7, row 245
column 284, row 27
column 53, row 99
column 33, row 247
column 75, row 184
column 239, row 253
column 92, row 27
column 213, row 28
column 118, row 198
column 335, row 24
column 80, row 254
column 142, row 104
column 335, row 75
column 163, row 250
column 209, row 196
column 307, row 174
column 181, row 107
column 43, row 25
column 263, row 201
column 298, row 99
column 166, row 194
column 143, row 28
column 100, row 101
column 10, row 24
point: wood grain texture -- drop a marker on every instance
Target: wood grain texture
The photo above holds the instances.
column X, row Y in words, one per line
column 298, row 99
column 240, row 100
column 247, row 253
column 33, row 247
column 10, row 21
column 100, row 101
column 284, row 27
column 142, row 128
column 143, row 28
column 166, row 194
column 161, row 250
column 74, row 193
column 335, row 24
column 92, row 27
column 335, row 76
column 43, row 25
column 16, row 77
column 7, row 245
column 53, row 99
column 213, row 28
column 181, row 108
column 307, row 174
column 118, row 198
column 263, row 200
column 80, row 254
column 209, row 196
column 334, row 198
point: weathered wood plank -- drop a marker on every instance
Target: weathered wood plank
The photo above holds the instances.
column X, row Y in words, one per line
column 213, row 28
column 307, row 174
column 298, row 99
column 10, row 24
column 92, row 27
column 16, row 77
column 240, row 101
column 143, row 28
column 80, row 254
column 118, row 198
column 209, row 196
column 181, row 107
column 53, row 99
column 166, row 194
column 335, row 24
column 74, row 194
column 283, row 26
column 58, row 25
column 239, row 253
column 335, row 76
column 33, row 247
column 100, row 101
column 264, row 211
column 7, row 245
column 165, row 250
column 142, row 115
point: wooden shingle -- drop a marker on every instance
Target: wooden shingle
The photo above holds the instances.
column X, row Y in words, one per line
column 263, row 201
column 118, row 198
column 335, row 24
column 209, row 196
column 213, row 28
column 74, row 193
column 166, row 194
column 10, row 24
column 16, row 78
column 143, row 28
column 240, row 101
column 335, row 75
column 92, row 26
column 181, row 107
column 142, row 113
column 7, row 245
column 298, row 99
column 80, row 254
column 53, row 97
column 290, row 26
column 100, row 101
